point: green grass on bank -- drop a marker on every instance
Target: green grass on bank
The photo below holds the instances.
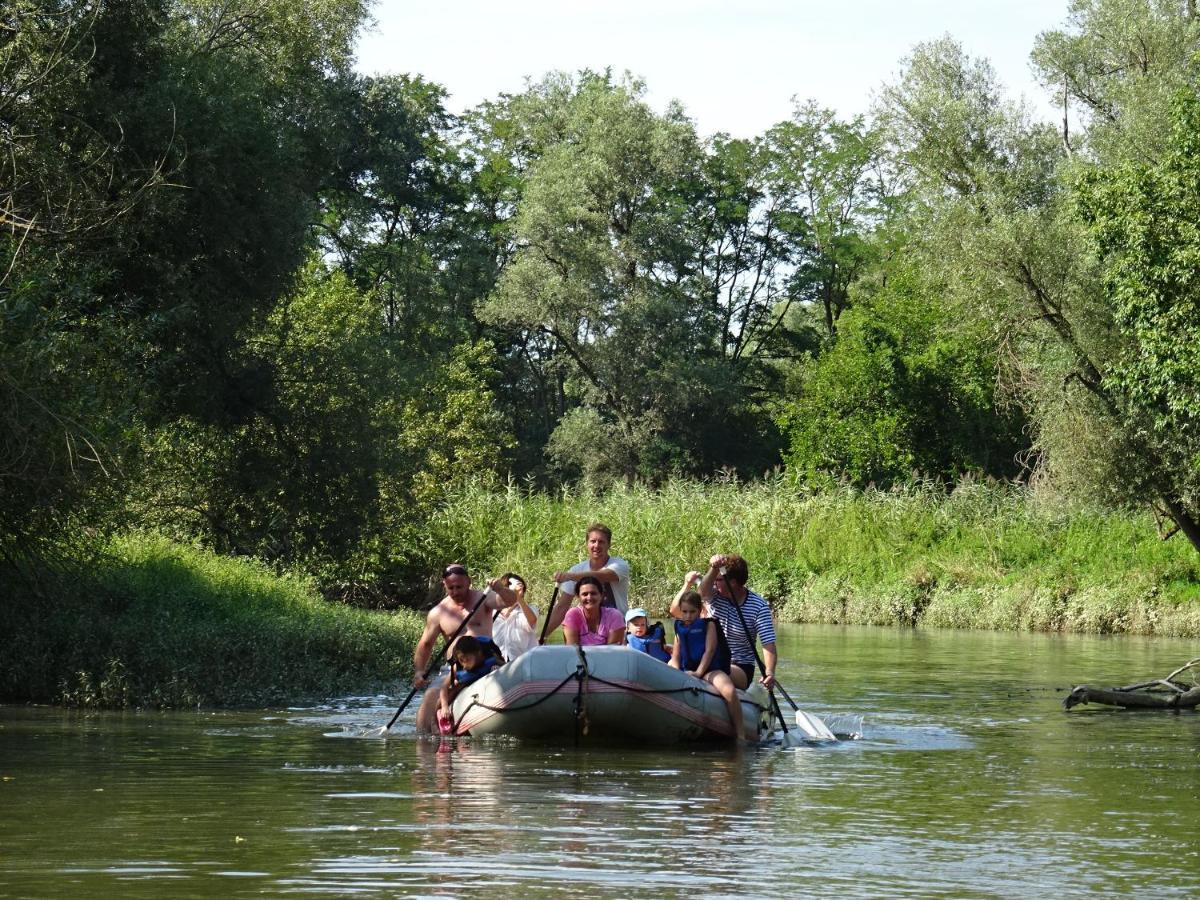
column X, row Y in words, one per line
column 983, row 556
column 153, row 623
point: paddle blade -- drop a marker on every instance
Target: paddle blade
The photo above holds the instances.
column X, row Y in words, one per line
column 847, row 726
column 813, row 728
column 793, row 739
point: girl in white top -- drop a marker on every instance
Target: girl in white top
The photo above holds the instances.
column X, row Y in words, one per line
column 513, row 630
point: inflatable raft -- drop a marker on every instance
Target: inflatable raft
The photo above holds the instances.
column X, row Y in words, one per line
column 607, row 693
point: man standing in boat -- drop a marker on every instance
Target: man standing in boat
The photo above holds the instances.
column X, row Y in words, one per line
column 744, row 616
column 611, row 571
column 462, row 602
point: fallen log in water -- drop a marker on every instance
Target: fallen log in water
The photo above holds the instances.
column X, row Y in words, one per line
column 1161, row 693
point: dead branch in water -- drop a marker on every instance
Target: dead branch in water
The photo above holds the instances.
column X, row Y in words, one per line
column 1160, row 693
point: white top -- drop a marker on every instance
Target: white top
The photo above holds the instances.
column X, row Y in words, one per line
column 620, row 587
column 513, row 634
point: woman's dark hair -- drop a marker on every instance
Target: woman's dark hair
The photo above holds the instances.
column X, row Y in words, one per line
column 588, row 579
column 513, row 576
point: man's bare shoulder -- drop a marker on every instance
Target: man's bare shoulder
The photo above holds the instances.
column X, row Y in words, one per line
column 439, row 609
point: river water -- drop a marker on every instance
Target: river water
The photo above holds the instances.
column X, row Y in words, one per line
column 969, row 780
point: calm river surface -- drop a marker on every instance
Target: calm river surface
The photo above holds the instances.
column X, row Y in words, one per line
column 970, row 780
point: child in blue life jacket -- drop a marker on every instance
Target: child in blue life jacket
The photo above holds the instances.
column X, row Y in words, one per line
column 700, row 649
column 640, row 635
column 472, row 659
column 698, row 645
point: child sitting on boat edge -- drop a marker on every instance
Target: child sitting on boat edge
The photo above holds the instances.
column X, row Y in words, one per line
column 471, row 662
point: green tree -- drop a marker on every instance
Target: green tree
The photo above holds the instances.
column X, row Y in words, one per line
column 596, row 214
column 1119, row 63
column 1002, row 227
column 833, row 179
column 906, row 389
column 1141, row 221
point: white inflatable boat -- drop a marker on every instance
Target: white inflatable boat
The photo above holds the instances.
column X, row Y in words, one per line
column 608, row 693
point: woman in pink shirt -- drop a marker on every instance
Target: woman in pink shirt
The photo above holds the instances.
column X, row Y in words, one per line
column 589, row 623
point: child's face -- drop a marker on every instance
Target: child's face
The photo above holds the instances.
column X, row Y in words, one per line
column 468, row 660
column 637, row 626
column 688, row 613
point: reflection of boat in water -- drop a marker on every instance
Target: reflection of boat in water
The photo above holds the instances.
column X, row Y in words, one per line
column 601, row 693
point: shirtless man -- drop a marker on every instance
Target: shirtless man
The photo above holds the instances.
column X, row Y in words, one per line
column 611, row 571
column 445, row 619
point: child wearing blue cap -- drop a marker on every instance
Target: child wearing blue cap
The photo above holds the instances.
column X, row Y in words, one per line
column 640, row 635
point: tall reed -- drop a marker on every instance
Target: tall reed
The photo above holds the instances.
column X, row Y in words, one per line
column 982, row 555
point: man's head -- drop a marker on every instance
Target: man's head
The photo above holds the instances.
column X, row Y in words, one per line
column 636, row 622
column 599, row 538
column 457, row 583
column 468, row 652
column 735, row 571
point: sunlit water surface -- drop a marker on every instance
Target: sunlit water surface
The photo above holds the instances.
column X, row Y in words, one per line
column 970, row 780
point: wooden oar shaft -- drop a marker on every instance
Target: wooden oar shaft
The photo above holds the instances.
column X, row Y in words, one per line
column 549, row 613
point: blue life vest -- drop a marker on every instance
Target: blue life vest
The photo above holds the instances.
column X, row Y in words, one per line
column 652, row 643
column 466, row 676
column 693, row 639
column 491, row 650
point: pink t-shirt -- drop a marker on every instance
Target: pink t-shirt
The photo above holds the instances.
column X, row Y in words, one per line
column 610, row 619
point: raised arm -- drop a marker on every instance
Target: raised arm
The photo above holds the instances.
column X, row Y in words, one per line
column 505, row 596
column 689, row 581
column 710, row 577
column 526, row 609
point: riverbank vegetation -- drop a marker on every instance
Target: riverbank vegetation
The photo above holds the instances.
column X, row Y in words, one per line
column 254, row 301
column 980, row 556
column 148, row 622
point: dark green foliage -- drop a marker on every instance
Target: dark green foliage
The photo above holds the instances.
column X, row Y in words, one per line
column 158, row 193
column 1141, row 220
column 906, row 390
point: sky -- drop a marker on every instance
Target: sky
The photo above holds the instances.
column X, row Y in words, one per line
column 735, row 65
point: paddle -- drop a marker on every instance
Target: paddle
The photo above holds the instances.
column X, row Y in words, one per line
column 437, row 661
column 549, row 613
column 811, row 725
column 813, row 728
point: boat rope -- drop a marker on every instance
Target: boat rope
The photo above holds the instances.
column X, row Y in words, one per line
column 578, row 676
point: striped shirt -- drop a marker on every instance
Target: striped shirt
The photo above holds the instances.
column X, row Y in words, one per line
column 758, row 616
